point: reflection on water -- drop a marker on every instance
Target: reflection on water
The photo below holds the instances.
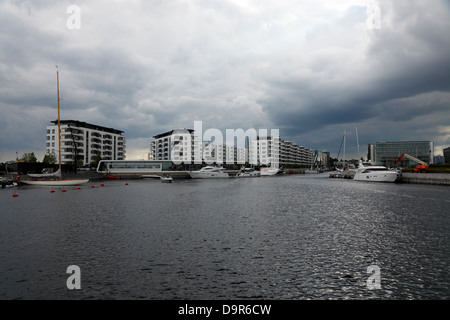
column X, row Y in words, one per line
column 291, row 237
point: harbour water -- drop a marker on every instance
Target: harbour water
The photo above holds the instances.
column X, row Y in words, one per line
column 290, row 237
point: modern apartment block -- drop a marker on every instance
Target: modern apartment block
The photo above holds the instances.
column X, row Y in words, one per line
column 292, row 153
column 162, row 144
column 265, row 150
column 183, row 146
column 386, row 153
column 84, row 141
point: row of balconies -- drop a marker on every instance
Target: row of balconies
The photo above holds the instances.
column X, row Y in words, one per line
column 79, row 132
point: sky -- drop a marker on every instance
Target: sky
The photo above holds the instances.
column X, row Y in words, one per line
column 311, row 69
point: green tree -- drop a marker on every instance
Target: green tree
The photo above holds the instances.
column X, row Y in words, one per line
column 49, row 158
column 96, row 160
column 29, row 157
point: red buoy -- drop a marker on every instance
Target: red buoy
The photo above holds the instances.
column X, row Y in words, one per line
column 51, row 191
column 126, row 183
column 102, row 184
column 92, row 186
column 15, row 195
column 78, row 188
column 63, row 190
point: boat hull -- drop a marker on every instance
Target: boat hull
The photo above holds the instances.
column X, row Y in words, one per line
column 67, row 182
column 208, row 175
column 248, row 175
column 270, row 172
column 376, row 177
column 150, row 176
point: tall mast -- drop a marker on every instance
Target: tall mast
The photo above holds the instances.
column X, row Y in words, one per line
column 345, row 137
column 59, row 123
column 357, row 141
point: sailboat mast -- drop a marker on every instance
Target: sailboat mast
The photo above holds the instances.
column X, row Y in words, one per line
column 357, row 141
column 59, row 123
column 345, row 137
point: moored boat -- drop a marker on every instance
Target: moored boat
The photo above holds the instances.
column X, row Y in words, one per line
column 54, row 179
column 248, row 173
column 7, row 183
column 375, row 173
column 272, row 171
column 166, row 178
column 209, row 172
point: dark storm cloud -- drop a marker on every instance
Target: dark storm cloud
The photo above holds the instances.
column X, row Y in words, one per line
column 311, row 69
column 405, row 75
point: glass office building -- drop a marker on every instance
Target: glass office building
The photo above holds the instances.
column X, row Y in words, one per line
column 447, row 155
column 386, row 153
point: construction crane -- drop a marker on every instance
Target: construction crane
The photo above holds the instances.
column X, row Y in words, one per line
column 421, row 167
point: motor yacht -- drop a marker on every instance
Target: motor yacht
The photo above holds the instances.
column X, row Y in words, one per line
column 375, row 173
column 209, row 172
column 272, row 171
column 247, row 173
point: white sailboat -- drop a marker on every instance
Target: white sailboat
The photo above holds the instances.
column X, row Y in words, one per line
column 54, row 179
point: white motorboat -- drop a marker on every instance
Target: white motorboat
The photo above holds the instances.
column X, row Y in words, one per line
column 166, row 178
column 272, row 171
column 209, row 172
column 375, row 173
column 7, row 183
column 248, row 172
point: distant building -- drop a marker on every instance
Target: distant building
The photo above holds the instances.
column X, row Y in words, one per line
column 162, row 144
column 447, row 155
column 183, row 146
column 84, row 141
column 439, row 159
column 263, row 149
column 386, row 153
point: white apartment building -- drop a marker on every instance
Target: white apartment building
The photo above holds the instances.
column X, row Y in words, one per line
column 182, row 146
column 265, row 150
column 162, row 146
column 83, row 141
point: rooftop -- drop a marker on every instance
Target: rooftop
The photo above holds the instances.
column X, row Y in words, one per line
column 86, row 125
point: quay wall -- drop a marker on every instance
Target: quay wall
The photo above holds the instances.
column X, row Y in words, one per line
column 426, row 178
